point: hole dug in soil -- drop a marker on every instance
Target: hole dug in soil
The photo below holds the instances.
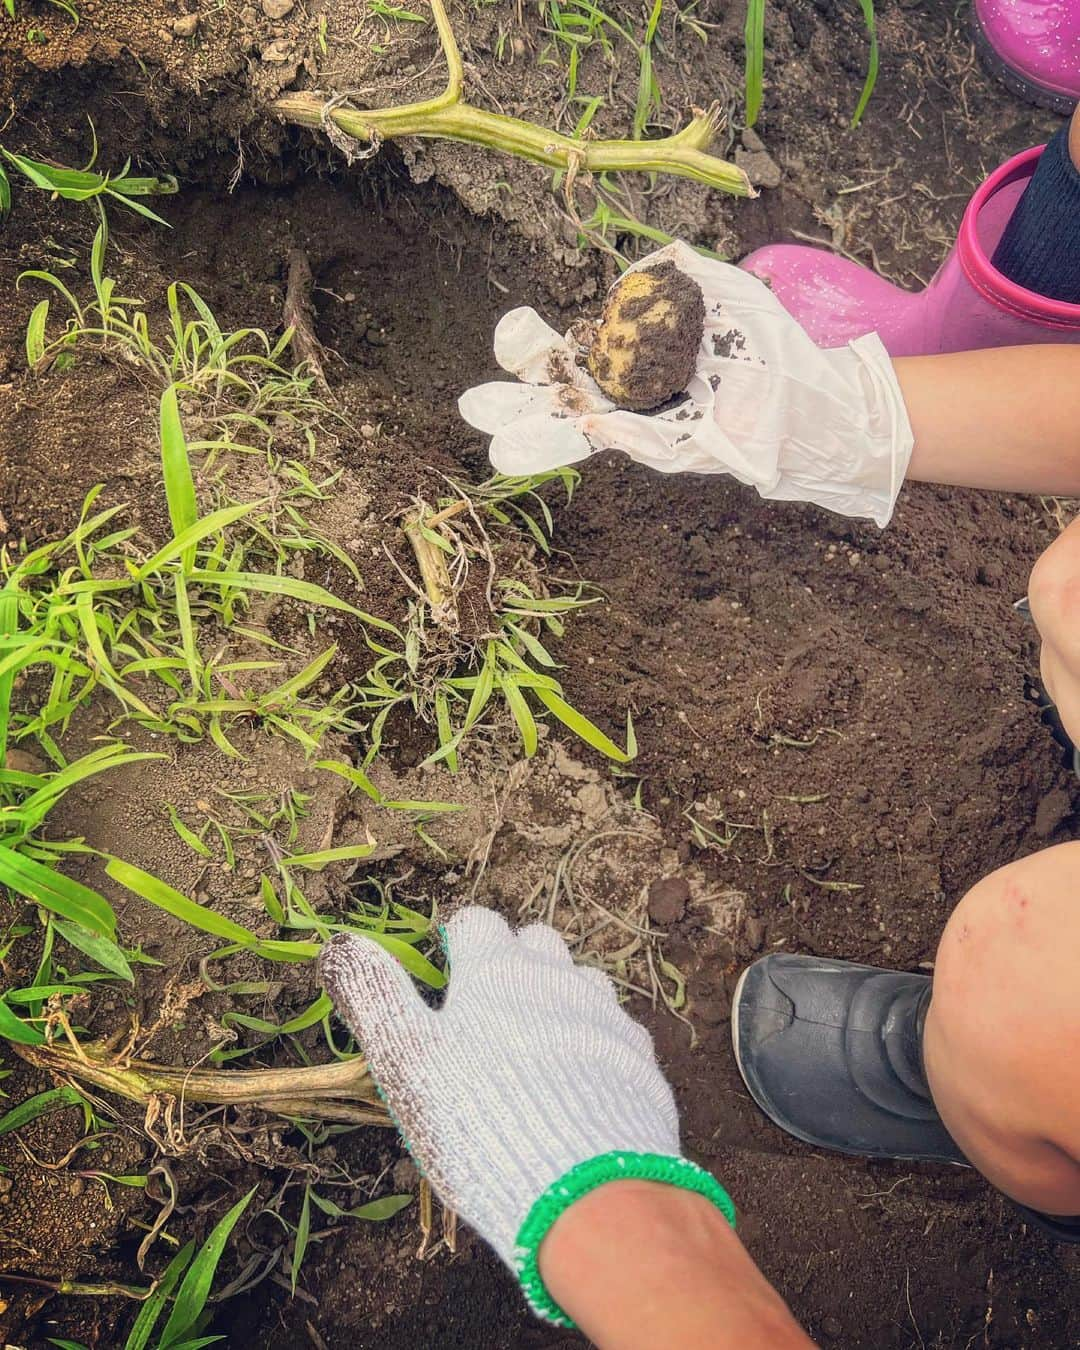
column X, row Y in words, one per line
column 834, row 738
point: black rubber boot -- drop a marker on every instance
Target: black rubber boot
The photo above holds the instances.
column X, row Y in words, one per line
column 1060, row 1229
column 832, row 1052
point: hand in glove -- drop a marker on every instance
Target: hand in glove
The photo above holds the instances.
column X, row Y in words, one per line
column 765, row 404
column 529, row 1088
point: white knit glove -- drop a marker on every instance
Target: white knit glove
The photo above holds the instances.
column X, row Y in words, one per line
column 765, row 404
column 529, row 1088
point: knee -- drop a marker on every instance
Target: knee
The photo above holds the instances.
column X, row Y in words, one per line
column 1054, row 597
column 1005, row 974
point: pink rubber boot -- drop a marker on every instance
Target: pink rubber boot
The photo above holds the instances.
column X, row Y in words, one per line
column 1033, row 47
column 969, row 303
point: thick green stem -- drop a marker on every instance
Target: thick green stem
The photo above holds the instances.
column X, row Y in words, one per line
column 451, row 118
column 343, row 1092
column 476, row 126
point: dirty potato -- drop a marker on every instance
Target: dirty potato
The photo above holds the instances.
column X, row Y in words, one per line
column 644, row 348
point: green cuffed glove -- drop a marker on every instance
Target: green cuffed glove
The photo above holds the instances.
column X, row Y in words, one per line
column 529, row 1088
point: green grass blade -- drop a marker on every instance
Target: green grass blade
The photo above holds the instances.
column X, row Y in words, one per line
column 195, row 1289
column 194, row 534
column 176, row 467
column 580, row 725
column 102, row 951
column 522, row 713
column 42, row 1104
column 9, row 623
column 417, row 965
column 13, row 1028
column 315, row 862
column 375, row 1211
column 351, row 774
column 303, row 1233
column 305, row 591
column 755, row 58
column 867, row 7
column 54, row 891
column 35, row 334
column 159, row 893
column 151, row 1310
column 284, row 693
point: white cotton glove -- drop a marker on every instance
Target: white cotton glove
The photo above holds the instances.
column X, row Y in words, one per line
column 526, row 1090
column 765, row 404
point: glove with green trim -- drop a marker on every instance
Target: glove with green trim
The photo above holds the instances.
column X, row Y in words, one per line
column 529, row 1088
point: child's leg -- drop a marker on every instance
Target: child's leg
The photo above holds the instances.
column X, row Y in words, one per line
column 1040, row 248
column 982, row 1064
column 1002, row 1037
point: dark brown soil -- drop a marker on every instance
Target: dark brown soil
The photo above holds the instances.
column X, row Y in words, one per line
column 835, row 725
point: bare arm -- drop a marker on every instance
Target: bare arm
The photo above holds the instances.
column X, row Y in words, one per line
column 639, row 1265
column 1007, row 418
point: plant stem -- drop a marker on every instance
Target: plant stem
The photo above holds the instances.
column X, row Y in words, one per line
column 451, row 117
column 109, row 1289
column 341, row 1092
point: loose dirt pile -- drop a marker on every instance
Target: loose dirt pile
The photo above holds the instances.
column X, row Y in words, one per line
column 836, row 736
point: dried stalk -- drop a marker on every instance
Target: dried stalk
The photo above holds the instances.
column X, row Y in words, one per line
column 300, row 316
column 451, row 117
column 342, row 1092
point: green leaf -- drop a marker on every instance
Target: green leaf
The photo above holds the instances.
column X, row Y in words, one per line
column 352, row 775
column 375, row 1211
column 100, row 950
column 64, row 896
column 176, row 467
column 193, row 1293
column 315, row 862
column 159, row 893
column 35, row 334
column 755, row 58
column 522, row 713
column 300, row 681
column 291, row 587
column 303, row 1233
column 187, row 835
column 40, row 1105
column 13, row 1028
column 152, row 1309
column 194, row 534
column 414, row 963
column 580, row 725
column 5, row 184
column 867, row 7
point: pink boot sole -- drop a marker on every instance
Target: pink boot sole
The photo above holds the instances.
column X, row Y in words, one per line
column 969, row 304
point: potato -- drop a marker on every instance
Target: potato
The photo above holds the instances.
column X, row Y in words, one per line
column 645, row 347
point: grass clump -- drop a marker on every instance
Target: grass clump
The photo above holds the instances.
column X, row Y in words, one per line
column 477, row 628
column 84, row 185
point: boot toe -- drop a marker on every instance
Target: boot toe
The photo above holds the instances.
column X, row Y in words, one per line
column 829, row 1051
column 833, row 299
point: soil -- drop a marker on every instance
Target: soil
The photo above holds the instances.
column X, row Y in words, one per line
column 836, row 729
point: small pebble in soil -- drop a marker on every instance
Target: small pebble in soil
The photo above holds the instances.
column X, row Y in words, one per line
column 185, row 25
column 277, row 52
column 668, row 898
column 754, row 933
column 756, row 162
column 277, row 9
column 1054, row 809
